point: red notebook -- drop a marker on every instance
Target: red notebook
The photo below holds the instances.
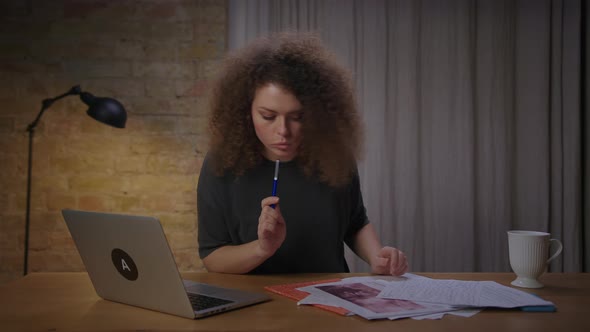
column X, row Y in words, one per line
column 290, row 291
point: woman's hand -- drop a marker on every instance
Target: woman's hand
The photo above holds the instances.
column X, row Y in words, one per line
column 390, row 261
column 271, row 227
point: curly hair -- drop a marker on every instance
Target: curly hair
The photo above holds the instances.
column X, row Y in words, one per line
column 298, row 63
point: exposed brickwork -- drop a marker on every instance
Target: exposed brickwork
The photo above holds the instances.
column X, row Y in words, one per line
column 155, row 56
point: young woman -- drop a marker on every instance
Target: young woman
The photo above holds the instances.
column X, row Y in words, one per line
column 285, row 98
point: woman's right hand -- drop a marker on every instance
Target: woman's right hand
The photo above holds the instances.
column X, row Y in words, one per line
column 272, row 229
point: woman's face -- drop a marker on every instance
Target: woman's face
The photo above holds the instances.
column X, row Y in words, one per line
column 277, row 117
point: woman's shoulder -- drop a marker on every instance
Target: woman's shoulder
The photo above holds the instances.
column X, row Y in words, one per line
column 213, row 163
column 212, row 168
column 210, row 171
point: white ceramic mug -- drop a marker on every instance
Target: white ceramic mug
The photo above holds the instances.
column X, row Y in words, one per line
column 528, row 256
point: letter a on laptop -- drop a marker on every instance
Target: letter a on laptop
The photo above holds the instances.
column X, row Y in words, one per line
column 129, row 261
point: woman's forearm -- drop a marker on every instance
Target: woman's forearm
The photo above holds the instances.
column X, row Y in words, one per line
column 236, row 259
column 383, row 260
column 367, row 244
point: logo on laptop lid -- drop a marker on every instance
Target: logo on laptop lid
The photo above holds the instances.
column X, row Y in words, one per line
column 124, row 264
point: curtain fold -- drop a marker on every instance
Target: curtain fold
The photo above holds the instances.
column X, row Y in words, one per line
column 584, row 125
column 472, row 113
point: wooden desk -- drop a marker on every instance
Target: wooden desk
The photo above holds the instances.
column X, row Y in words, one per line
column 67, row 302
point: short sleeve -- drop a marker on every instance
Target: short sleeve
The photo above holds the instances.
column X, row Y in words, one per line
column 358, row 213
column 212, row 211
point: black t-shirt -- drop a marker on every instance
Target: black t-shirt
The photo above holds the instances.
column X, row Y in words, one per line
column 319, row 218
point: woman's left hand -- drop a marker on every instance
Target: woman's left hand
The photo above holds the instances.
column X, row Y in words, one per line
column 390, row 261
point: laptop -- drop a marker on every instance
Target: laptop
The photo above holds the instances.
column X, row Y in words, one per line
column 129, row 261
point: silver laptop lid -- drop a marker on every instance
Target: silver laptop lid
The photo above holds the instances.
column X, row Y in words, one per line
column 129, row 261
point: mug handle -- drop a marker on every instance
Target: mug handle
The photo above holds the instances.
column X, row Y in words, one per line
column 559, row 249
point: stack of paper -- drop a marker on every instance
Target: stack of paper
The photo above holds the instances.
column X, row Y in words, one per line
column 291, row 291
column 416, row 296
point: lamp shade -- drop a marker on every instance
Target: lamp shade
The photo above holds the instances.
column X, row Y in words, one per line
column 106, row 110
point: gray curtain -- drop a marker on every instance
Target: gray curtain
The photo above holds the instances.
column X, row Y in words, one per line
column 473, row 117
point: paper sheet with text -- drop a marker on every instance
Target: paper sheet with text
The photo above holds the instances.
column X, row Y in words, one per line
column 459, row 293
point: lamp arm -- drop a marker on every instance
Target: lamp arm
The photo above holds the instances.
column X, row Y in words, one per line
column 31, row 129
column 75, row 90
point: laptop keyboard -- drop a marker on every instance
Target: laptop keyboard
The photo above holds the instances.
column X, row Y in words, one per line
column 201, row 302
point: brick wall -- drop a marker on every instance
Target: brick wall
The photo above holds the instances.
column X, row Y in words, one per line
column 157, row 58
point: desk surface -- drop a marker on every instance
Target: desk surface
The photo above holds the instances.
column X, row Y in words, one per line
column 67, row 301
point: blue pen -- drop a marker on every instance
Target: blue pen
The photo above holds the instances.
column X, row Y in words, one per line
column 275, row 182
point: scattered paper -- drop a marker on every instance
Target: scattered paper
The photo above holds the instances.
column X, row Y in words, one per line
column 460, row 313
column 361, row 299
column 460, row 293
column 378, row 297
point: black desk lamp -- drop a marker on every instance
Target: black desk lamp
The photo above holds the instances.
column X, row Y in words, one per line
column 106, row 110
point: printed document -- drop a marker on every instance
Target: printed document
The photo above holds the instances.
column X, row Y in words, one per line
column 460, row 293
column 410, row 295
column 361, row 299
